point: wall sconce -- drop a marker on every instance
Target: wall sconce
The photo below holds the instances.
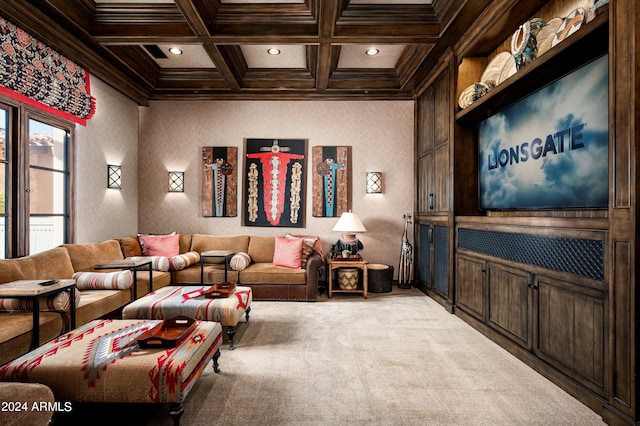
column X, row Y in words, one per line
column 176, row 181
column 374, row 182
column 114, row 176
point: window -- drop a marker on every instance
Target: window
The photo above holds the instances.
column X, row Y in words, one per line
column 35, row 180
column 3, row 182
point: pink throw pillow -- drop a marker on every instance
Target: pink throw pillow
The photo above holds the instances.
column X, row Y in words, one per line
column 288, row 252
column 161, row 245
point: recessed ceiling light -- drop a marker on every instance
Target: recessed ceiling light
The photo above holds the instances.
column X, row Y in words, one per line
column 175, row 51
column 372, row 51
column 273, row 51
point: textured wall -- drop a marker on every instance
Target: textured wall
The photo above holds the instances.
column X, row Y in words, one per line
column 380, row 134
column 110, row 137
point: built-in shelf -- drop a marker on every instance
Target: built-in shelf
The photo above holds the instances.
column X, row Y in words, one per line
column 587, row 44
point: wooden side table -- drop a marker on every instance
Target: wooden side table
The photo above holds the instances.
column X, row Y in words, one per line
column 34, row 290
column 337, row 263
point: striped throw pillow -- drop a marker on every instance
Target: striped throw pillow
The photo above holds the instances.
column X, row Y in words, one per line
column 240, row 261
column 59, row 302
column 184, row 260
column 158, row 263
column 119, row 280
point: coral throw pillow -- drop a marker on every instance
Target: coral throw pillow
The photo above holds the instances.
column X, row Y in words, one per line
column 160, row 245
column 288, row 252
column 308, row 247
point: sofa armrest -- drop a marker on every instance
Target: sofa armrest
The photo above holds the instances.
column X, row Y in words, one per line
column 315, row 264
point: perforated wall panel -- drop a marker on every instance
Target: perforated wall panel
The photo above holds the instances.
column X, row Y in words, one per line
column 576, row 256
column 424, row 266
column 441, row 259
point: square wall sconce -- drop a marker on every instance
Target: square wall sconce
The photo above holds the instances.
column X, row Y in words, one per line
column 114, row 176
column 374, row 182
column 176, row 181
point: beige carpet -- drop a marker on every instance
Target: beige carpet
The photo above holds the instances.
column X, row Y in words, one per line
column 394, row 359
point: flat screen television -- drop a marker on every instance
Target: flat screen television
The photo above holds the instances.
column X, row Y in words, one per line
column 549, row 150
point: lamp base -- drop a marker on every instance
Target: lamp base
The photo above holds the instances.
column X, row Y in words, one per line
column 348, row 243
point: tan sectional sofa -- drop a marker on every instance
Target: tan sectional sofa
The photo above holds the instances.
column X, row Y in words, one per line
column 61, row 263
column 268, row 282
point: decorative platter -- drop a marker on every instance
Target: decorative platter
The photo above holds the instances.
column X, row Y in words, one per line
column 546, row 35
column 508, row 69
column 491, row 74
column 570, row 25
column 472, row 94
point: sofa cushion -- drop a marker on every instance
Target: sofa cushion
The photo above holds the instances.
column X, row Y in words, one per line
column 184, row 260
column 212, row 274
column 261, row 249
column 49, row 264
column 185, row 243
column 287, row 252
column 240, row 261
column 160, row 245
column 235, row 243
column 119, row 280
column 59, row 302
column 85, row 256
column 130, row 246
column 158, row 263
column 15, row 333
column 98, row 303
column 267, row 273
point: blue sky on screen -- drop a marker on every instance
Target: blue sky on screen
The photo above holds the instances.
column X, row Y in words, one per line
column 510, row 176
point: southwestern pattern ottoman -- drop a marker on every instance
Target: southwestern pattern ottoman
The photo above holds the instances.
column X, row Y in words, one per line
column 102, row 362
column 173, row 301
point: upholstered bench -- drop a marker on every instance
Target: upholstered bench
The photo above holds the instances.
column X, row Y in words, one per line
column 173, row 301
column 102, row 362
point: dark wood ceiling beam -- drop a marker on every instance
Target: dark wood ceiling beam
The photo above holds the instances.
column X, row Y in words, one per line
column 280, row 95
column 278, row 80
column 229, row 62
column 329, row 10
column 364, row 79
column 138, row 62
column 460, row 23
column 193, row 18
column 137, row 13
column 410, row 61
column 193, row 80
column 80, row 12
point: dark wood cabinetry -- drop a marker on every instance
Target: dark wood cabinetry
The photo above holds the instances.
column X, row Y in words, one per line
column 434, row 242
column 567, row 303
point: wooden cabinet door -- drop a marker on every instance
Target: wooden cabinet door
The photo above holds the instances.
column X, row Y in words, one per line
column 425, row 178
column 439, row 201
column 471, row 285
column 571, row 330
column 510, row 302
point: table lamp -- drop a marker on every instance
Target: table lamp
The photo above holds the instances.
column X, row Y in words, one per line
column 349, row 224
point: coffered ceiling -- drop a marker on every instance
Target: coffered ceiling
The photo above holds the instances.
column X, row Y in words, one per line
column 225, row 44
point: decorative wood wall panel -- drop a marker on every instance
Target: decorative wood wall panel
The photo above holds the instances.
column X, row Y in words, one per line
column 331, row 180
column 219, row 181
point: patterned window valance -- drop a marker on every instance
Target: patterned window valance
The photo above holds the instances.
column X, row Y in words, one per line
column 35, row 74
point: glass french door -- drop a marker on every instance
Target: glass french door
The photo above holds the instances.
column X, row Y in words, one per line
column 4, row 160
column 47, row 186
